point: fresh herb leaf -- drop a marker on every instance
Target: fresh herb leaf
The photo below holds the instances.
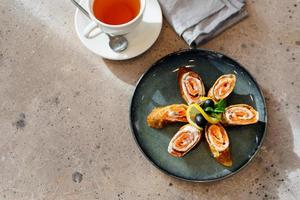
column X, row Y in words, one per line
column 209, row 109
column 220, row 105
column 218, row 110
column 217, row 116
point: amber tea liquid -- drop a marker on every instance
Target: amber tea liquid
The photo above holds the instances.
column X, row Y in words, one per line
column 116, row 12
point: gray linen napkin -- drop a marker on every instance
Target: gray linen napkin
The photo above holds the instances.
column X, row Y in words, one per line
column 199, row 20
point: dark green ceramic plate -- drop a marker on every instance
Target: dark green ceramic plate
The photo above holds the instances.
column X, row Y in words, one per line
column 158, row 87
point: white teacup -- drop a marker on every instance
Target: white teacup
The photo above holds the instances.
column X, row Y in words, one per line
column 97, row 27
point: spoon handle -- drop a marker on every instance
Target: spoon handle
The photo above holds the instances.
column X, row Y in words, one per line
column 81, row 8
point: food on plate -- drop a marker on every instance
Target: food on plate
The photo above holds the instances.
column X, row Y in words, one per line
column 218, row 141
column 240, row 114
column 222, row 88
column 213, row 110
column 208, row 103
column 200, row 120
column 191, row 85
column 184, row 140
column 194, row 110
column 209, row 111
column 164, row 115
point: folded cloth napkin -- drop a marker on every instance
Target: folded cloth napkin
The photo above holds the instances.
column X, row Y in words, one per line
column 197, row 21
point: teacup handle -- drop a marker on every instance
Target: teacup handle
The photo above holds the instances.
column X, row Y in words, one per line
column 92, row 30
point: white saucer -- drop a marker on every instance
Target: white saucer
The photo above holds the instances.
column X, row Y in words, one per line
column 140, row 39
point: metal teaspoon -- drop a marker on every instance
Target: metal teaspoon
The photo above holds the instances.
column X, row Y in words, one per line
column 117, row 43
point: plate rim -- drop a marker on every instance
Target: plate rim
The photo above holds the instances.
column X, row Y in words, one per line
column 174, row 175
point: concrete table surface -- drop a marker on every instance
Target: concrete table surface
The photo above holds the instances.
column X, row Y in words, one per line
column 64, row 123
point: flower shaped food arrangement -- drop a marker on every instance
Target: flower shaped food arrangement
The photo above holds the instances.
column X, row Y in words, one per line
column 204, row 114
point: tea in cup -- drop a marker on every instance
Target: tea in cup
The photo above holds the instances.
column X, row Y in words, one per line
column 114, row 17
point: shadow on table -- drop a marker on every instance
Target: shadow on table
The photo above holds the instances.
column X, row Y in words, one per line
column 130, row 70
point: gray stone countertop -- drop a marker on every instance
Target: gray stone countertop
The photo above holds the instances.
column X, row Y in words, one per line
column 64, row 111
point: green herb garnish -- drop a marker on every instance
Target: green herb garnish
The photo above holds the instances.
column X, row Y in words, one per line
column 217, row 116
column 209, row 109
column 221, row 105
column 219, row 108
